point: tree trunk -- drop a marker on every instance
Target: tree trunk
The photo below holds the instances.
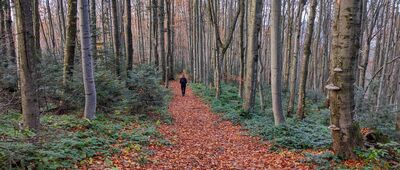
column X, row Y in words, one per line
column 289, row 42
column 36, row 26
column 116, row 37
column 10, row 46
column 161, row 41
column 170, row 55
column 293, row 71
column 70, row 42
column 87, row 61
column 276, row 57
column 221, row 46
column 306, row 58
column 93, row 29
column 28, row 62
column 346, row 43
column 50, row 20
column 254, row 26
column 242, row 6
column 128, row 35
column 155, row 32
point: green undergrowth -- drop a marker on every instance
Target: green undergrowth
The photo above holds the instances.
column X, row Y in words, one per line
column 128, row 115
column 312, row 132
column 66, row 140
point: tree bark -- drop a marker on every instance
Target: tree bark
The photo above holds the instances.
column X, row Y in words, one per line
column 293, row 71
column 70, row 43
column 93, row 29
column 155, row 32
column 242, row 6
column 50, row 20
column 87, row 60
column 28, row 62
column 254, row 26
column 276, row 55
column 116, row 37
column 346, row 43
column 128, row 35
column 305, row 60
column 161, row 42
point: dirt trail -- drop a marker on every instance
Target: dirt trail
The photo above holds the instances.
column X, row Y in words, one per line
column 201, row 140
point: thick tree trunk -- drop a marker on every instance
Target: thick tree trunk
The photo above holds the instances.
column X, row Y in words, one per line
column 346, row 43
column 305, row 61
column 87, row 61
column 276, row 58
column 70, row 42
column 128, row 35
column 28, row 62
column 254, row 25
column 116, row 38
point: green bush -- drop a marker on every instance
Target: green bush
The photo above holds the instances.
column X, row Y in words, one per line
column 147, row 93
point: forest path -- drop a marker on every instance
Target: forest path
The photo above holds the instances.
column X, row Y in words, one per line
column 201, row 140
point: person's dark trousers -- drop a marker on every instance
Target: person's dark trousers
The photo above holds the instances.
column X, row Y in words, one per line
column 183, row 88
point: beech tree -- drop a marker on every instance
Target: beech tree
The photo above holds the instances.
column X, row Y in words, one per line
column 254, row 23
column 276, row 55
column 346, row 43
column 87, row 60
column 305, row 60
column 28, row 63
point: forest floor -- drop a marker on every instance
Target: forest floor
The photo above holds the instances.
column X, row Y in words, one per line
column 202, row 140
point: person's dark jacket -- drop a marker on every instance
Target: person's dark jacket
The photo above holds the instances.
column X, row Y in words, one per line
column 183, row 81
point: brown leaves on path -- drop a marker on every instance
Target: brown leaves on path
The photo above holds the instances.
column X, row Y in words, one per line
column 202, row 141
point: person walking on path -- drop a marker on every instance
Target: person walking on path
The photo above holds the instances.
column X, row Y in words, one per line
column 183, row 82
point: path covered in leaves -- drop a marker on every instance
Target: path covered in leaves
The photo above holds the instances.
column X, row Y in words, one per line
column 201, row 140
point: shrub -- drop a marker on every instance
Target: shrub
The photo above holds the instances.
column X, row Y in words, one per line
column 146, row 92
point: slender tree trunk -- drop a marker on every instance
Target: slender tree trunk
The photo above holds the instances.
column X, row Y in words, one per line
column 9, row 34
column 36, row 26
column 289, row 42
column 242, row 6
column 161, row 41
column 87, row 61
column 128, row 35
column 155, row 32
column 293, row 71
column 306, row 58
column 93, row 29
column 50, row 20
column 221, row 46
column 276, row 58
column 28, row 62
column 170, row 56
column 346, row 43
column 116, row 37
